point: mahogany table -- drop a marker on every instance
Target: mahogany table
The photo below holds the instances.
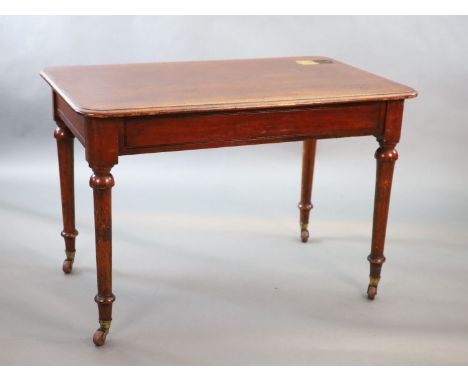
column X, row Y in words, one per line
column 118, row 110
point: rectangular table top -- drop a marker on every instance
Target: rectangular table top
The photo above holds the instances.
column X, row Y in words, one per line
column 162, row 88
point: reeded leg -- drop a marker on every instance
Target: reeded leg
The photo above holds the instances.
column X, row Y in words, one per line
column 102, row 182
column 64, row 139
column 305, row 205
column 386, row 156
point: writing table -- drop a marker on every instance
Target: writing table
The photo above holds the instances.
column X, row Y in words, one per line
column 129, row 109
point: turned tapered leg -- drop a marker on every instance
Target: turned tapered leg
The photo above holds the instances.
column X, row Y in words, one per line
column 386, row 156
column 102, row 182
column 64, row 139
column 305, row 205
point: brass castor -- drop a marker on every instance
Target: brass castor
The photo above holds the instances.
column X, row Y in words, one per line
column 371, row 292
column 372, row 288
column 304, row 232
column 68, row 263
column 100, row 335
column 67, row 266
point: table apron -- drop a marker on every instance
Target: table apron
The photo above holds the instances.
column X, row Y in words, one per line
column 194, row 131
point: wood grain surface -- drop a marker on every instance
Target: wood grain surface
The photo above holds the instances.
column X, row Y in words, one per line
column 159, row 88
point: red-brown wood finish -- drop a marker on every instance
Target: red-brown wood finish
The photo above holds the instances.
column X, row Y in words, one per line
column 104, row 91
column 305, row 205
column 102, row 182
column 118, row 110
column 216, row 129
column 386, row 156
column 65, row 158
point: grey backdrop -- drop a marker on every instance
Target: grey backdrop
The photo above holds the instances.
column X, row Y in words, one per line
column 208, row 265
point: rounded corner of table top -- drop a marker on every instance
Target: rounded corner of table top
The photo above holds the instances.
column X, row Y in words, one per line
column 412, row 93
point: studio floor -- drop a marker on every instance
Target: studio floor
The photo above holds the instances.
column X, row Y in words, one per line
column 210, row 271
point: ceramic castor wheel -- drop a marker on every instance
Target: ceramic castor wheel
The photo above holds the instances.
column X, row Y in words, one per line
column 371, row 292
column 304, row 235
column 67, row 266
column 99, row 337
